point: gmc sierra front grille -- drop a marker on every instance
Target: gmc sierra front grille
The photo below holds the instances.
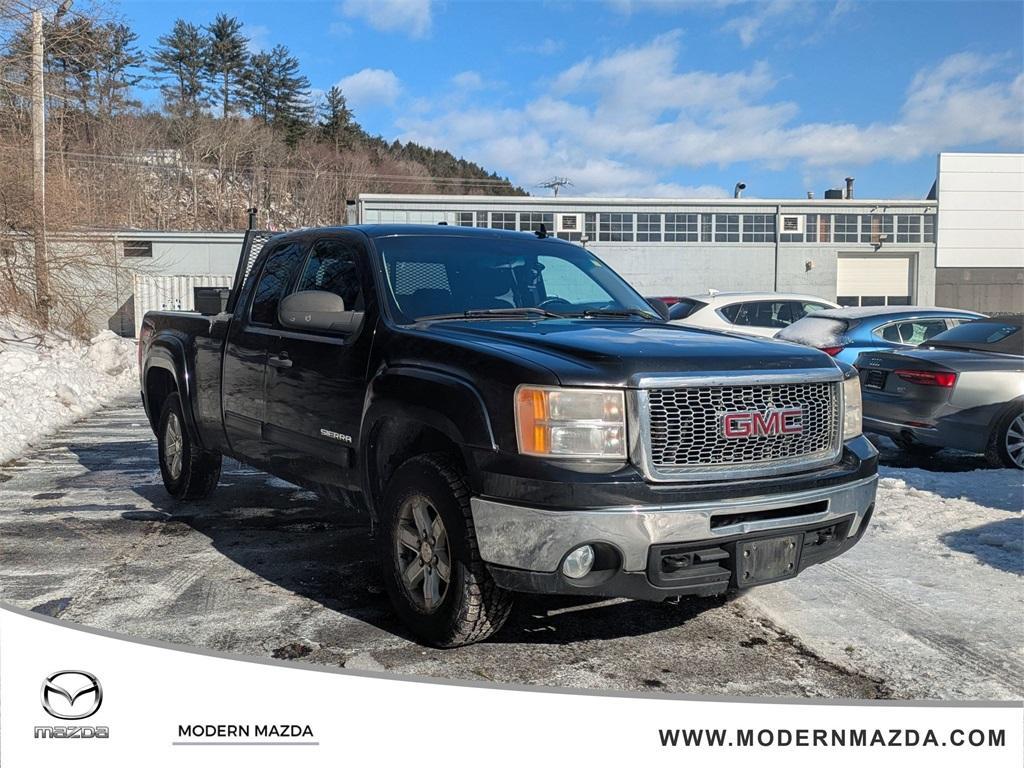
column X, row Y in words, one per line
column 715, row 429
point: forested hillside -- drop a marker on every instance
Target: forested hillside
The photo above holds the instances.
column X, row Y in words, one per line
column 234, row 128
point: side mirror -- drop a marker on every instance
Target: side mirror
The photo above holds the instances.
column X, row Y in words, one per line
column 317, row 311
column 658, row 306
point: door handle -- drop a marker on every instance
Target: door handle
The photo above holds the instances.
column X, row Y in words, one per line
column 281, row 361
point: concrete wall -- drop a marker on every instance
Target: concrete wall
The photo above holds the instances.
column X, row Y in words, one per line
column 991, row 290
column 667, row 269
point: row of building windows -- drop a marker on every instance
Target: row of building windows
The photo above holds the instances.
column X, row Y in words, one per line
column 865, row 228
column 700, row 227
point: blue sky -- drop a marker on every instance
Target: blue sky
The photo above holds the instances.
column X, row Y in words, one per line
column 666, row 98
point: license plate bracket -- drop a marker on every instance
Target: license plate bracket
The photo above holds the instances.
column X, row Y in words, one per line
column 761, row 561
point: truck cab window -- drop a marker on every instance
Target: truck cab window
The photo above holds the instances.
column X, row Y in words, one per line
column 332, row 267
column 277, row 273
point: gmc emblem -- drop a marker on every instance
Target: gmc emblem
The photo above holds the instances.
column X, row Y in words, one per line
column 776, row 421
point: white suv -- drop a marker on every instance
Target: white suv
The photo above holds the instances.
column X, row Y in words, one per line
column 759, row 314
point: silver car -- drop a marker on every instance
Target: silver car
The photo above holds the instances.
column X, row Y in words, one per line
column 961, row 389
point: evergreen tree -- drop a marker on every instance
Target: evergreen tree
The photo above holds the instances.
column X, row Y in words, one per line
column 277, row 93
column 180, row 60
column 226, row 60
column 118, row 60
column 258, row 86
column 336, row 123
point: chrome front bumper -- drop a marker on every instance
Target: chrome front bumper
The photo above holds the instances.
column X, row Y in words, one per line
column 529, row 539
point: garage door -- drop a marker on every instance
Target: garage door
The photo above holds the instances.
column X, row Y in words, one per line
column 873, row 281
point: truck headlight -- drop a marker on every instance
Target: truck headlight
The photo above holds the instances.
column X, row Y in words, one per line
column 853, row 410
column 571, row 423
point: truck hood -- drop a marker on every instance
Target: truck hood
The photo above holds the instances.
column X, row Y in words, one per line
column 613, row 352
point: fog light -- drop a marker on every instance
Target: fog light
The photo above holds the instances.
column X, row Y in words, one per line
column 579, row 562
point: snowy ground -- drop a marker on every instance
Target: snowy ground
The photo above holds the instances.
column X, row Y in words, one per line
column 928, row 605
column 49, row 380
column 932, row 599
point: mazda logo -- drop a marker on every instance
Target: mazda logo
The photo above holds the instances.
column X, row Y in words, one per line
column 71, row 694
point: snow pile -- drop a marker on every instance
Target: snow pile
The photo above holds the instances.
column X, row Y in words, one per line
column 49, row 380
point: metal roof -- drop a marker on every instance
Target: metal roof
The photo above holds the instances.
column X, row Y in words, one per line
column 566, row 203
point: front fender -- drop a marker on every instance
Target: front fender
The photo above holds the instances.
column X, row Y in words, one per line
column 444, row 402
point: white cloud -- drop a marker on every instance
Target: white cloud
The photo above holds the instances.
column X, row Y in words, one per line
column 748, row 27
column 370, row 88
column 410, row 16
column 627, row 122
column 468, row 81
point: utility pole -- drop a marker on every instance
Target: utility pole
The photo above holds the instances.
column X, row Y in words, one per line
column 39, row 172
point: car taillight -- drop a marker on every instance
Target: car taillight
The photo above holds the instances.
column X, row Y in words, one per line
column 831, row 351
column 929, row 378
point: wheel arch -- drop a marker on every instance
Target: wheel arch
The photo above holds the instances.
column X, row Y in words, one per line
column 409, row 412
column 164, row 373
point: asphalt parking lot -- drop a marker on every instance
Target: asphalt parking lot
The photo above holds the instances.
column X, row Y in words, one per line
column 262, row 568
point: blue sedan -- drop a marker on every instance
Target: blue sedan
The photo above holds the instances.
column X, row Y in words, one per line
column 846, row 333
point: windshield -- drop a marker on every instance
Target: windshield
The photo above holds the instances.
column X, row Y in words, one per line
column 439, row 275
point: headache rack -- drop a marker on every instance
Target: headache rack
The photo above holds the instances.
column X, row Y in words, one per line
column 252, row 245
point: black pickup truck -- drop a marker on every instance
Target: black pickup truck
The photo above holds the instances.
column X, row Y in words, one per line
column 513, row 417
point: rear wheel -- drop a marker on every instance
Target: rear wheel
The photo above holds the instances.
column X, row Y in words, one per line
column 187, row 470
column 1006, row 447
column 432, row 569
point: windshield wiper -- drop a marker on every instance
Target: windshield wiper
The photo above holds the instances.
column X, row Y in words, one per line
column 499, row 312
column 625, row 312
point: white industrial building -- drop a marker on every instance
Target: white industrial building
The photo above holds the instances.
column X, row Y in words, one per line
column 980, row 237
column 871, row 252
column 960, row 246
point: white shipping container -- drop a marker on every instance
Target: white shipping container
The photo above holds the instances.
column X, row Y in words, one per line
column 173, row 292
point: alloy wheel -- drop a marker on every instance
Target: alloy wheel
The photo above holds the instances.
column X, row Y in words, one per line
column 422, row 553
column 173, row 445
column 1015, row 441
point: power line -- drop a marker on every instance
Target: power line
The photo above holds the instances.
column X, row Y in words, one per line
column 250, row 170
column 184, row 166
column 556, row 184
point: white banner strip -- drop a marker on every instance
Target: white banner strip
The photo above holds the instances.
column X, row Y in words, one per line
column 138, row 702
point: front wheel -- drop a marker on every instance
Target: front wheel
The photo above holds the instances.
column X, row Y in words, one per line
column 1006, row 448
column 187, row 470
column 432, row 569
